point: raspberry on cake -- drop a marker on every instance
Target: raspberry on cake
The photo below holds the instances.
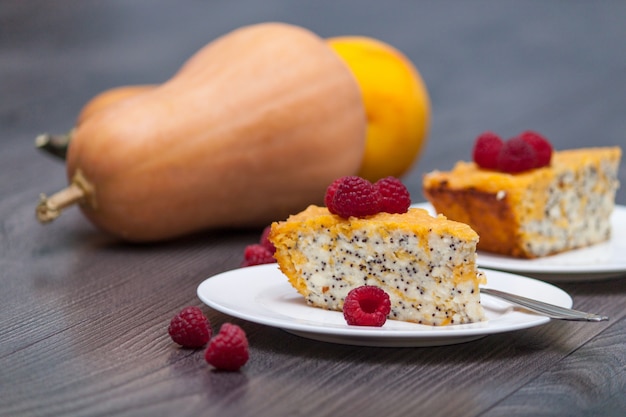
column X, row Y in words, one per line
column 427, row 265
column 353, row 196
column 487, row 149
column 541, row 146
column 538, row 212
column 394, row 197
column 516, row 155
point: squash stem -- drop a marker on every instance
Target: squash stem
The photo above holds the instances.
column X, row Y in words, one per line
column 49, row 208
column 55, row 145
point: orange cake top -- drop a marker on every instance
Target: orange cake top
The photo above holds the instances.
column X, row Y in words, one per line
column 468, row 175
column 416, row 220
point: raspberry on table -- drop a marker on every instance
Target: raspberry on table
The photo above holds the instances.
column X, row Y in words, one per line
column 394, row 196
column 355, row 196
column 190, row 328
column 542, row 147
column 264, row 241
column 257, row 254
column 367, row 305
column 486, row 150
column 228, row 350
column 516, row 156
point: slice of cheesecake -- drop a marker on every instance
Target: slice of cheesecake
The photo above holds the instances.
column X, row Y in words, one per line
column 427, row 265
column 539, row 212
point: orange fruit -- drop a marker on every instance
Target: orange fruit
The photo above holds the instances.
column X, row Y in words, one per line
column 396, row 101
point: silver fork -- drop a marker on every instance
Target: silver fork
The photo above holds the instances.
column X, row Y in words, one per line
column 546, row 309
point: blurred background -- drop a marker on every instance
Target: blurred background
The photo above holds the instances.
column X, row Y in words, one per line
column 558, row 67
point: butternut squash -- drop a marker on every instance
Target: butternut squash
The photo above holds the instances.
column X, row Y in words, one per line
column 57, row 144
column 109, row 97
column 252, row 128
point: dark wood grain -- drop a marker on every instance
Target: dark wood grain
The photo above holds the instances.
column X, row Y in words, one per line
column 83, row 317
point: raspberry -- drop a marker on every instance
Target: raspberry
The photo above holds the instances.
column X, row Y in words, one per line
column 366, row 306
column 190, row 328
column 486, row 150
column 330, row 194
column 394, row 197
column 355, row 196
column 516, row 156
column 542, row 147
column 228, row 350
column 257, row 254
column 264, row 241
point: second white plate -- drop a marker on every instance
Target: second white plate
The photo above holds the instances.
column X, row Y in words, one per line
column 601, row 261
column 262, row 294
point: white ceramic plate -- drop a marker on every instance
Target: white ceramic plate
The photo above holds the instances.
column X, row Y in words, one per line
column 262, row 294
column 601, row 261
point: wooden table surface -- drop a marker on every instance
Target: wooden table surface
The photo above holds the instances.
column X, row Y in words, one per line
column 83, row 329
